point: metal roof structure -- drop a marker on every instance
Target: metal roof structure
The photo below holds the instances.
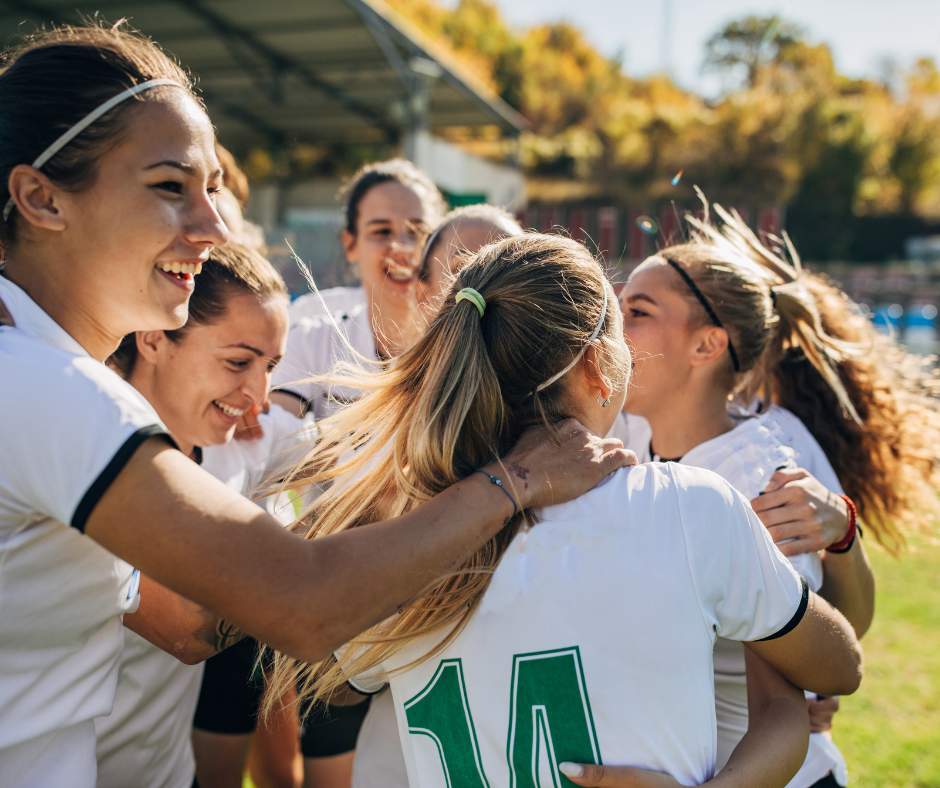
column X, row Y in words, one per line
column 280, row 71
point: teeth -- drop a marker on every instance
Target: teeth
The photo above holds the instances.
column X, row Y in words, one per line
column 228, row 410
column 182, row 268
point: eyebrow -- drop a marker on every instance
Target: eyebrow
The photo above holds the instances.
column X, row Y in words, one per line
column 243, row 346
column 189, row 169
column 641, row 297
column 389, row 221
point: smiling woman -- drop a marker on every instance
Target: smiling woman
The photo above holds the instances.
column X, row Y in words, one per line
column 91, row 484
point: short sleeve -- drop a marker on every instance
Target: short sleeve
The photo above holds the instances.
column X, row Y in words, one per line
column 746, row 588
column 307, row 354
column 68, row 428
column 369, row 682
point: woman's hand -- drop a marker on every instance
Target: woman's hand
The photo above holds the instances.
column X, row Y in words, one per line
column 591, row 775
column 821, row 712
column 797, row 506
column 540, row 472
column 249, row 429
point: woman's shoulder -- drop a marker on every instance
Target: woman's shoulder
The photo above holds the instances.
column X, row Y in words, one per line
column 335, row 299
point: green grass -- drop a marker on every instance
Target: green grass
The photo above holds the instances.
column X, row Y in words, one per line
column 889, row 731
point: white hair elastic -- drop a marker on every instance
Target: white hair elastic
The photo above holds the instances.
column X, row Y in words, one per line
column 577, row 358
column 85, row 122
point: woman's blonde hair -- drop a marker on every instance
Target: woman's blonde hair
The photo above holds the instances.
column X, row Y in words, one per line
column 455, row 401
column 804, row 345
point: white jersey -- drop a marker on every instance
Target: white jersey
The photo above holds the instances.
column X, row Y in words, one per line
column 593, row 641
column 68, row 427
column 333, row 300
column 314, row 347
column 746, row 457
column 147, row 735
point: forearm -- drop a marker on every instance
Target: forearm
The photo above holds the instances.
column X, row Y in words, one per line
column 772, row 750
column 305, row 598
column 774, row 746
column 849, row 586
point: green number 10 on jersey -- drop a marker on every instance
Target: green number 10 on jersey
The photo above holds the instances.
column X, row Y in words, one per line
column 550, row 721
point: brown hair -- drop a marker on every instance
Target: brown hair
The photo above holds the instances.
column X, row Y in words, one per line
column 453, row 402
column 54, row 79
column 805, row 346
column 230, row 269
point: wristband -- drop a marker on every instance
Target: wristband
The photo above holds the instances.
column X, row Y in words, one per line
column 498, row 482
column 845, row 544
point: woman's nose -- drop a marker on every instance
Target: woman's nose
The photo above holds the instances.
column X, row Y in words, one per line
column 205, row 227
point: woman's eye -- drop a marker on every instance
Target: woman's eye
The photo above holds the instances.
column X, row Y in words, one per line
column 170, row 186
column 634, row 312
column 239, row 364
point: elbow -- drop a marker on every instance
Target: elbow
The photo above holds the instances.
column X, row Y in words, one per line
column 189, row 652
column 850, row 676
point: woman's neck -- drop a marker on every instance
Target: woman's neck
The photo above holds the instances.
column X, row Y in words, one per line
column 48, row 285
column 393, row 327
column 678, row 430
column 142, row 379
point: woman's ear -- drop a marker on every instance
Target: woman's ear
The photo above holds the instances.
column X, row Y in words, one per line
column 711, row 343
column 36, row 198
column 594, row 376
column 150, row 345
column 349, row 245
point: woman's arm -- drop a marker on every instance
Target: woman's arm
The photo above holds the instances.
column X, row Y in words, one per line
column 797, row 506
column 189, row 532
column 769, row 754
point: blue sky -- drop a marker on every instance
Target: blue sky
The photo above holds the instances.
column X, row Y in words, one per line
column 861, row 33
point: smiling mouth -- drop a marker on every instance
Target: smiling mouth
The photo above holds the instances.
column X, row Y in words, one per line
column 182, row 271
column 401, row 274
column 228, row 410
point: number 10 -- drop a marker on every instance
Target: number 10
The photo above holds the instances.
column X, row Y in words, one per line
column 550, row 721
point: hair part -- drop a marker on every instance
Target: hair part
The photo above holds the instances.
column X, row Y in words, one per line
column 58, row 76
column 231, row 270
column 392, row 171
column 458, row 399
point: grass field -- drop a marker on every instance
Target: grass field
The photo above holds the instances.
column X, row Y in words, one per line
column 889, row 731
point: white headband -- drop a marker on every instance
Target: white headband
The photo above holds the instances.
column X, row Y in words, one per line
column 432, row 239
column 577, row 358
column 84, row 123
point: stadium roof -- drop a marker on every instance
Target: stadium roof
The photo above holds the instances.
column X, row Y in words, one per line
column 275, row 71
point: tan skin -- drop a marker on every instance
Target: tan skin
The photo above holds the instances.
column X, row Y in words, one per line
column 680, row 388
column 91, row 260
column 391, row 219
column 775, row 745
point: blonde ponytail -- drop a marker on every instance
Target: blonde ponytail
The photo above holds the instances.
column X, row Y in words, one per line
column 455, row 401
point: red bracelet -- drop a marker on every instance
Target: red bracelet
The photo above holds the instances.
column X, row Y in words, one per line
column 845, row 544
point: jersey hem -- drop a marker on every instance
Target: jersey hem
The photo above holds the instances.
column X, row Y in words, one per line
column 100, row 485
column 797, row 616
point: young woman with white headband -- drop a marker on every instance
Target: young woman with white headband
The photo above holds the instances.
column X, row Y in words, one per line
column 589, row 636
column 105, row 239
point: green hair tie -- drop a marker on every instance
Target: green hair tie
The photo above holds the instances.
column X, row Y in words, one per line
column 471, row 295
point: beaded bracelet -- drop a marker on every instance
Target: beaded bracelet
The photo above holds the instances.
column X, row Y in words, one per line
column 845, row 544
column 498, row 482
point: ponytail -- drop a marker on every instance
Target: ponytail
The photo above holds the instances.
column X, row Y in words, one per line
column 455, row 401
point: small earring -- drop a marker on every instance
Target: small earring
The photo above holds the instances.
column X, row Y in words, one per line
column 605, row 403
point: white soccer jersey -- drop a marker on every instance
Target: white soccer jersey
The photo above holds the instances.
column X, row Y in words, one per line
column 314, row 346
column 333, row 300
column 593, row 642
column 69, row 426
column 747, row 457
column 147, row 735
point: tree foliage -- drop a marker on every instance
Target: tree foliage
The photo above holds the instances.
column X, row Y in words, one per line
column 789, row 128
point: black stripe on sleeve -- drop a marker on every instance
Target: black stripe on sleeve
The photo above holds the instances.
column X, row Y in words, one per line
column 797, row 616
column 109, row 474
column 354, row 688
column 301, row 397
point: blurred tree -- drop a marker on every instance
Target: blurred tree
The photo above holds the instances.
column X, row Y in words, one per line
column 747, row 44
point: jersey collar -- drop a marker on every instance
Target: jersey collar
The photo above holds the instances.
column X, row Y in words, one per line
column 33, row 321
